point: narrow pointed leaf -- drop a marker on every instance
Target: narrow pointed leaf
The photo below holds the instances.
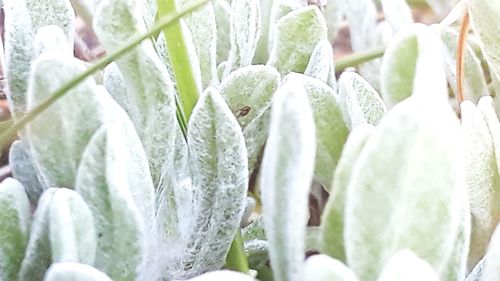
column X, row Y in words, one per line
column 296, row 36
column 245, row 32
column 332, row 221
column 220, row 177
column 286, row 176
column 69, row 271
column 149, row 99
column 321, row 65
column 15, row 220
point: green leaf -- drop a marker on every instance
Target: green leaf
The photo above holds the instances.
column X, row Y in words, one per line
column 286, row 176
column 361, row 104
column 25, row 171
column 104, row 184
column 58, row 137
column 332, row 221
column 405, row 265
column 262, row 50
column 331, row 129
column 71, row 228
column 218, row 162
column 244, row 33
column 296, row 36
column 333, row 13
column 398, row 67
column 15, row 220
column 248, row 91
column 72, row 271
column 62, row 230
column 321, row 65
column 481, row 177
column 222, row 17
column 22, row 20
column 484, row 18
column 149, row 99
column 361, row 17
column 474, row 80
column 324, row 268
column 390, row 193
column 203, row 26
column 255, row 138
column 51, row 38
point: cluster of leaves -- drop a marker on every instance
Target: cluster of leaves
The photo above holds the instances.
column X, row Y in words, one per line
column 141, row 171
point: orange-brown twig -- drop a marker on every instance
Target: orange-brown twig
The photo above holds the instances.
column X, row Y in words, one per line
column 462, row 44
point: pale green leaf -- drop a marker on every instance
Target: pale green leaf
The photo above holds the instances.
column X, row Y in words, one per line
column 15, row 220
column 361, row 16
column 296, row 36
column 248, row 91
column 262, row 50
column 334, row 13
column 481, row 178
column 407, row 187
column 332, row 221
column 255, row 138
column 484, row 18
column 244, row 33
column 51, row 38
column 218, row 162
column 286, row 176
column 149, row 99
column 58, row 136
column 103, row 182
column 397, row 13
column 360, row 102
column 279, row 9
column 321, row 65
column 72, row 271
column 331, row 129
column 324, row 268
column 405, row 265
column 474, row 80
column 222, row 17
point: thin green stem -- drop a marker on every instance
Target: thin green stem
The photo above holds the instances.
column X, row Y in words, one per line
column 236, row 258
column 358, row 58
column 177, row 50
column 10, row 133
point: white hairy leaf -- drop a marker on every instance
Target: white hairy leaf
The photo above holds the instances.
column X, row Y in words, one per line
column 491, row 269
column 218, row 162
column 481, row 178
column 223, row 275
column 103, row 182
column 332, row 221
column 397, row 13
column 222, row 16
column 244, row 33
column 484, row 16
column 149, row 99
column 324, row 268
column 58, row 136
column 262, row 50
column 72, row 271
column 360, row 102
column 296, row 36
column 15, row 220
column 333, row 13
column 321, row 65
column 331, row 129
column 25, row 171
column 51, row 38
column 286, row 176
column 405, row 265
column 407, row 187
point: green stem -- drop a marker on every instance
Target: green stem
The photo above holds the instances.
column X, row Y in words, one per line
column 236, row 258
column 358, row 58
column 10, row 133
column 177, row 49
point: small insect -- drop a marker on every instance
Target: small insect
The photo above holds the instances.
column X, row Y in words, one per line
column 242, row 111
column 318, row 3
